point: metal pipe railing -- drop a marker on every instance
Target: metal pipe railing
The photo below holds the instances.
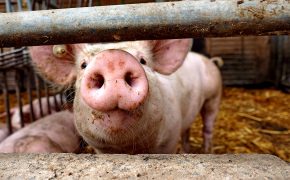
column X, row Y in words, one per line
column 182, row 19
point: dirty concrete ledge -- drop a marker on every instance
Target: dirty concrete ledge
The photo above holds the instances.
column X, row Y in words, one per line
column 185, row 166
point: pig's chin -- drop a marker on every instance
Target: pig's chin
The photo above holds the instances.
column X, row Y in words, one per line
column 117, row 121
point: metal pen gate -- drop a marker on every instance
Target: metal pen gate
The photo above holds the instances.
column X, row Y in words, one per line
column 185, row 19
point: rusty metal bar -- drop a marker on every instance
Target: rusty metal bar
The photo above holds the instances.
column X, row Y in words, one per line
column 183, row 19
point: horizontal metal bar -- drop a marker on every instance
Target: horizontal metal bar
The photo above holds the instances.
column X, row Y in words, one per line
column 182, row 19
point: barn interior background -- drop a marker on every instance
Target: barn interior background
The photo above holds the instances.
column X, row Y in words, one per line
column 255, row 110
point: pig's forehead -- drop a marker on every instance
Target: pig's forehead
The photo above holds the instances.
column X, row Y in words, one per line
column 94, row 47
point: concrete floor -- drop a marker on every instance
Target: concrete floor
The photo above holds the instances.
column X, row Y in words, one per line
column 104, row 166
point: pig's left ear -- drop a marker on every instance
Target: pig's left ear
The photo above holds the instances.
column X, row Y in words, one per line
column 168, row 55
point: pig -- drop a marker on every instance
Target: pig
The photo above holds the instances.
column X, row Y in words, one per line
column 55, row 133
column 15, row 112
column 135, row 97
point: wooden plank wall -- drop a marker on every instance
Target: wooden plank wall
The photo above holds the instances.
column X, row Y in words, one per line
column 246, row 58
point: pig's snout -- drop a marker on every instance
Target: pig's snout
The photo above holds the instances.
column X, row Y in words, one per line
column 114, row 79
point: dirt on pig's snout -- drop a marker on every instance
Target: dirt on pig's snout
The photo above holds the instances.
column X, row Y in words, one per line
column 105, row 120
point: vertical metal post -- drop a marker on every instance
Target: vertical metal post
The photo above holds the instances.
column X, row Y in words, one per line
column 29, row 5
column 33, row 4
column 38, row 93
column 282, row 46
column 60, row 3
column 48, row 4
column 18, row 95
column 29, row 93
column 243, row 48
column 7, row 103
column 8, row 6
column 90, row 3
column 79, row 3
column 69, row 3
column 47, row 98
column 55, row 102
column 19, row 5
column 280, row 60
column 60, row 95
column 43, row 5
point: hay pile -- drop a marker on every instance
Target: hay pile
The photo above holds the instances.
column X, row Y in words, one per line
column 250, row 121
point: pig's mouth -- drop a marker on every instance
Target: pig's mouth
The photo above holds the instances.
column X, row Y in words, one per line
column 116, row 121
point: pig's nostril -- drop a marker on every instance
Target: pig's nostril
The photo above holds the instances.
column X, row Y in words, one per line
column 129, row 78
column 99, row 81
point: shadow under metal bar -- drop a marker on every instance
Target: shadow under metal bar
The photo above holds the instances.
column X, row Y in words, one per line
column 182, row 19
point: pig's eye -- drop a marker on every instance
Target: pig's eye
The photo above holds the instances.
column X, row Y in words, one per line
column 59, row 50
column 142, row 61
column 83, row 65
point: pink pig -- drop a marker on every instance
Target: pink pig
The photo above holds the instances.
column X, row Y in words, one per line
column 53, row 133
column 135, row 97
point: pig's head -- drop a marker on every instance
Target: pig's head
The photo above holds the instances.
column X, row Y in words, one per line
column 118, row 99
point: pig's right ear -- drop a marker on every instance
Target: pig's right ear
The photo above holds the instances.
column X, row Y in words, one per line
column 55, row 63
column 168, row 55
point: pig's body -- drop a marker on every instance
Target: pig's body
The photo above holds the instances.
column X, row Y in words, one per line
column 186, row 94
column 54, row 133
column 138, row 97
